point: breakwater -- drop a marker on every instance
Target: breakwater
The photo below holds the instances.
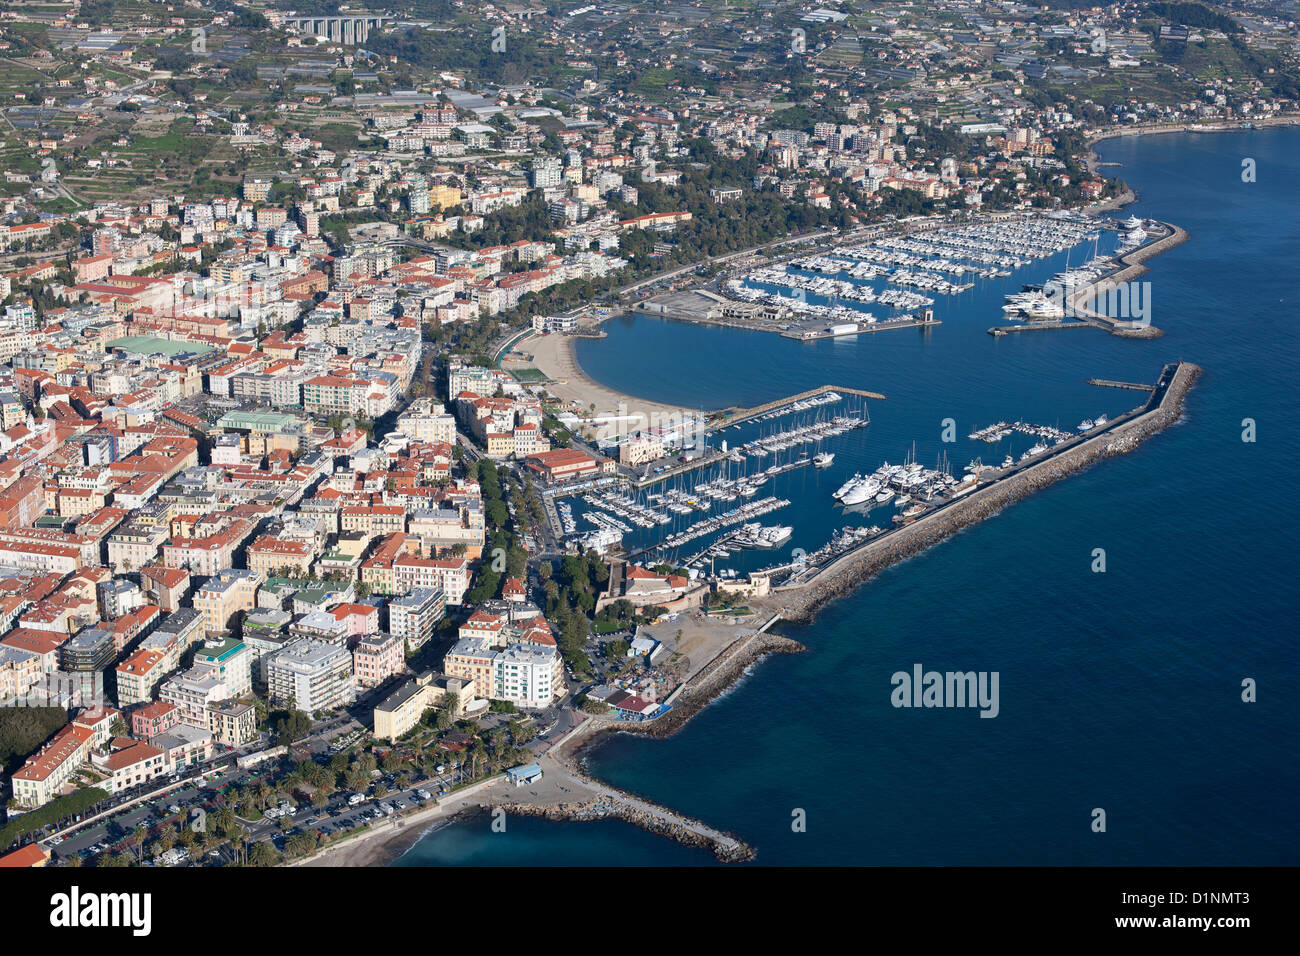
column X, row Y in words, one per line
column 725, row 847
column 1078, row 301
column 1132, row 267
column 800, row 602
column 698, row 692
column 712, row 679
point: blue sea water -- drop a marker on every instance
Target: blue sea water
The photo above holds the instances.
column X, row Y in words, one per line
column 1118, row 690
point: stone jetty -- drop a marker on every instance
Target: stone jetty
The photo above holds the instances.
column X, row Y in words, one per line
column 648, row 817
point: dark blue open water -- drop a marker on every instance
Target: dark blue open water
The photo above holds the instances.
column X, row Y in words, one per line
column 1119, row 690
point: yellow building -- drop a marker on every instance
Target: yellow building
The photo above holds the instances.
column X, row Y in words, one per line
column 221, row 597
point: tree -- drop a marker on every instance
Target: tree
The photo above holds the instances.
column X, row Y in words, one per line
column 263, row 853
column 290, row 725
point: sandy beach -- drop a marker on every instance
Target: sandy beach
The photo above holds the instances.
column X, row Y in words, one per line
column 553, row 355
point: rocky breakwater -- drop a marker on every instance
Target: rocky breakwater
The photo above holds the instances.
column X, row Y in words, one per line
column 1107, row 288
column 800, row 602
column 712, row 679
column 685, row 831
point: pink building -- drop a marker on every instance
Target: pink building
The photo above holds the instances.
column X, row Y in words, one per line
column 378, row 658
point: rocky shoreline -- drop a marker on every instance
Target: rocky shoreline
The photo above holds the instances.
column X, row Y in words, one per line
column 713, row 679
column 801, row 603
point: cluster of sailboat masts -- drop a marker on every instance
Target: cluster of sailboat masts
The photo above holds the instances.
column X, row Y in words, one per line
column 627, row 508
column 738, row 515
column 1010, row 242
column 804, row 435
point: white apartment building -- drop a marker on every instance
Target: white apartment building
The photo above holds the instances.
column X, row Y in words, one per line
column 412, row 617
column 310, row 676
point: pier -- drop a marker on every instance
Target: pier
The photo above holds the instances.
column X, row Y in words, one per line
column 999, row 330
column 734, row 414
column 1107, row 383
column 881, row 326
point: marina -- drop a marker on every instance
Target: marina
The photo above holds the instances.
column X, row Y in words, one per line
column 984, row 491
column 708, row 515
column 704, row 515
column 897, row 281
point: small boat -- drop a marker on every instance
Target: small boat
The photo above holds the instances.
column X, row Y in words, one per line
column 823, row 460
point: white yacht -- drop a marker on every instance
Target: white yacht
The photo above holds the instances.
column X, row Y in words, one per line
column 774, row 537
column 844, row 488
column 823, row 460
column 863, row 490
column 1043, row 308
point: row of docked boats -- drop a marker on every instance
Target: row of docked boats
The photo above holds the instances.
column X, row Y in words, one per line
column 739, row 515
column 815, row 285
column 811, row 403
column 752, row 534
column 1035, row 305
column 628, row 508
column 567, row 524
column 736, row 289
column 803, row 435
column 834, row 265
column 903, row 484
column 999, row 430
column 843, row 540
column 929, row 282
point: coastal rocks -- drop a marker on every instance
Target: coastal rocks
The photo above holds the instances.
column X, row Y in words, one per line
column 849, row 572
column 712, row 680
column 1149, row 332
column 725, row 848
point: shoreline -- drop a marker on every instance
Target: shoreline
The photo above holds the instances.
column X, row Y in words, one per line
column 555, row 356
column 846, row 575
column 586, row 798
column 1287, row 119
column 712, row 681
